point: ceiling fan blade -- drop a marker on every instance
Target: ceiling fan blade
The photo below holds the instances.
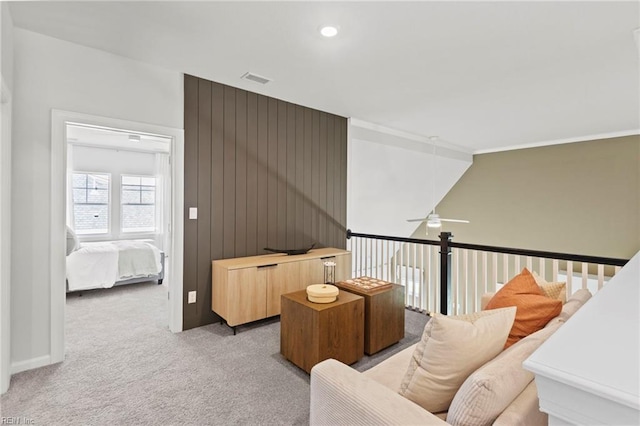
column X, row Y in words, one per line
column 424, row 219
column 455, row 220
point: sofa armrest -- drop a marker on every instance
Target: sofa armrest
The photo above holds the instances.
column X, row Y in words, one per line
column 342, row 395
column 524, row 410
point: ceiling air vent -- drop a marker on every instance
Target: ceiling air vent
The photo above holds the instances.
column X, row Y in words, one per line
column 257, row 78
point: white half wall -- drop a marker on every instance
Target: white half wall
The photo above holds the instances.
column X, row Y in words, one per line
column 391, row 178
column 54, row 74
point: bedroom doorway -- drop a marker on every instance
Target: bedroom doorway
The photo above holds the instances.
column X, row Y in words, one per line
column 115, row 180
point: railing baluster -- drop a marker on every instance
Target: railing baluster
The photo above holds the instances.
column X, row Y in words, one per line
column 555, row 267
column 465, row 266
column 435, row 279
column 585, row 274
column 474, row 278
column 516, row 264
column 494, row 276
column 529, row 263
column 422, row 278
column 455, row 285
column 388, row 263
column 569, row 278
column 485, row 272
column 505, row 268
column 600, row 276
column 542, row 267
column 416, row 282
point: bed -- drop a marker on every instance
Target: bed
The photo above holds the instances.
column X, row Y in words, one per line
column 109, row 263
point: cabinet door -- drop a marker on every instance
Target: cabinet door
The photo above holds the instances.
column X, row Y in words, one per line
column 247, row 291
column 312, row 272
column 282, row 278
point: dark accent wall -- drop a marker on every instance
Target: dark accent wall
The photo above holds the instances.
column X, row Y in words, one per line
column 262, row 173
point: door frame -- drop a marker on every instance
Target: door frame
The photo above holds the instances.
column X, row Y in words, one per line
column 59, row 121
column 5, row 235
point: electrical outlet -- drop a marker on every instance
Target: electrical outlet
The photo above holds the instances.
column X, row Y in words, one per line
column 192, row 297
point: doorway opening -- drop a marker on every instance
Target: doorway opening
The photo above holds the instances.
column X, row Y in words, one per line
column 119, row 181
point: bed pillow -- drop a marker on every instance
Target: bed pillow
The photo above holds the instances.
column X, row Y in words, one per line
column 451, row 348
column 73, row 243
column 535, row 309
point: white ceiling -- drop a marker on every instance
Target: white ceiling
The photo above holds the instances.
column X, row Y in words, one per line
column 482, row 75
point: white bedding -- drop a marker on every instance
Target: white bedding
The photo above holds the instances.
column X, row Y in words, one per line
column 100, row 265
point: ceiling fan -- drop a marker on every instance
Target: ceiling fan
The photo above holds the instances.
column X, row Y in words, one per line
column 433, row 219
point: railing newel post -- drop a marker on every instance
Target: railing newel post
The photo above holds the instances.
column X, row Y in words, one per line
column 445, row 272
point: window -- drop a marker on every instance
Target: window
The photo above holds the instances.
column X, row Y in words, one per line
column 138, row 200
column 91, row 203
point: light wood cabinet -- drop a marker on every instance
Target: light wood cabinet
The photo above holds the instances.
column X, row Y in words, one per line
column 247, row 289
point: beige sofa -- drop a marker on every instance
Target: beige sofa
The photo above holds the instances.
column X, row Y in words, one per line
column 500, row 392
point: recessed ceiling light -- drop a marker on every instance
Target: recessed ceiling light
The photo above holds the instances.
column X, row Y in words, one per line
column 328, row 30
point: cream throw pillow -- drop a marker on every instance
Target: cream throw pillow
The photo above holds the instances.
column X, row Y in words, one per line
column 490, row 389
column 557, row 291
column 451, row 348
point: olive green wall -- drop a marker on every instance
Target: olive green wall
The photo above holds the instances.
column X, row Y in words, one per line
column 581, row 198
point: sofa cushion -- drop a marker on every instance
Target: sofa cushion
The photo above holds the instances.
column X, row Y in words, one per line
column 489, row 390
column 535, row 309
column 389, row 372
column 451, row 348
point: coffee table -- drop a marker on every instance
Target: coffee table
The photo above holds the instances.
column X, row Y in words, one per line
column 312, row 332
column 383, row 312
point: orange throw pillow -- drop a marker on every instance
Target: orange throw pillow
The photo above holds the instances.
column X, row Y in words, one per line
column 534, row 309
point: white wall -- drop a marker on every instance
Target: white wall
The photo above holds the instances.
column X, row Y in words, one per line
column 54, row 74
column 391, row 179
column 6, row 82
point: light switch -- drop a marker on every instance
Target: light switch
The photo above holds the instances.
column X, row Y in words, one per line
column 193, row 212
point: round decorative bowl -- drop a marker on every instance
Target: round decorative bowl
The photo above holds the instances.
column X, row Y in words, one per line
column 322, row 293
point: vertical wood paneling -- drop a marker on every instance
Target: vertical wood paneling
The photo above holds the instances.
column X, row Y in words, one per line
column 291, row 176
column 217, row 172
column 282, row 175
column 263, row 173
column 228, row 237
column 252, row 173
column 203, row 303
column 322, row 179
column 241, row 174
column 315, row 174
column 272, row 191
column 190, row 264
column 340, row 180
column 301, row 239
column 330, row 214
column 308, row 160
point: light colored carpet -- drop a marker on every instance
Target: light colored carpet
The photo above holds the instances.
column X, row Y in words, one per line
column 124, row 367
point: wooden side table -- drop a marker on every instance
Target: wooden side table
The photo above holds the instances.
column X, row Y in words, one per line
column 312, row 332
column 383, row 315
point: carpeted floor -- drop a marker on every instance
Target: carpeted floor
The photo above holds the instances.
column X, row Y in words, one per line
column 124, row 367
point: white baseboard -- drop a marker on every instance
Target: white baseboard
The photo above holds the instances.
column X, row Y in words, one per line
column 30, row 364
